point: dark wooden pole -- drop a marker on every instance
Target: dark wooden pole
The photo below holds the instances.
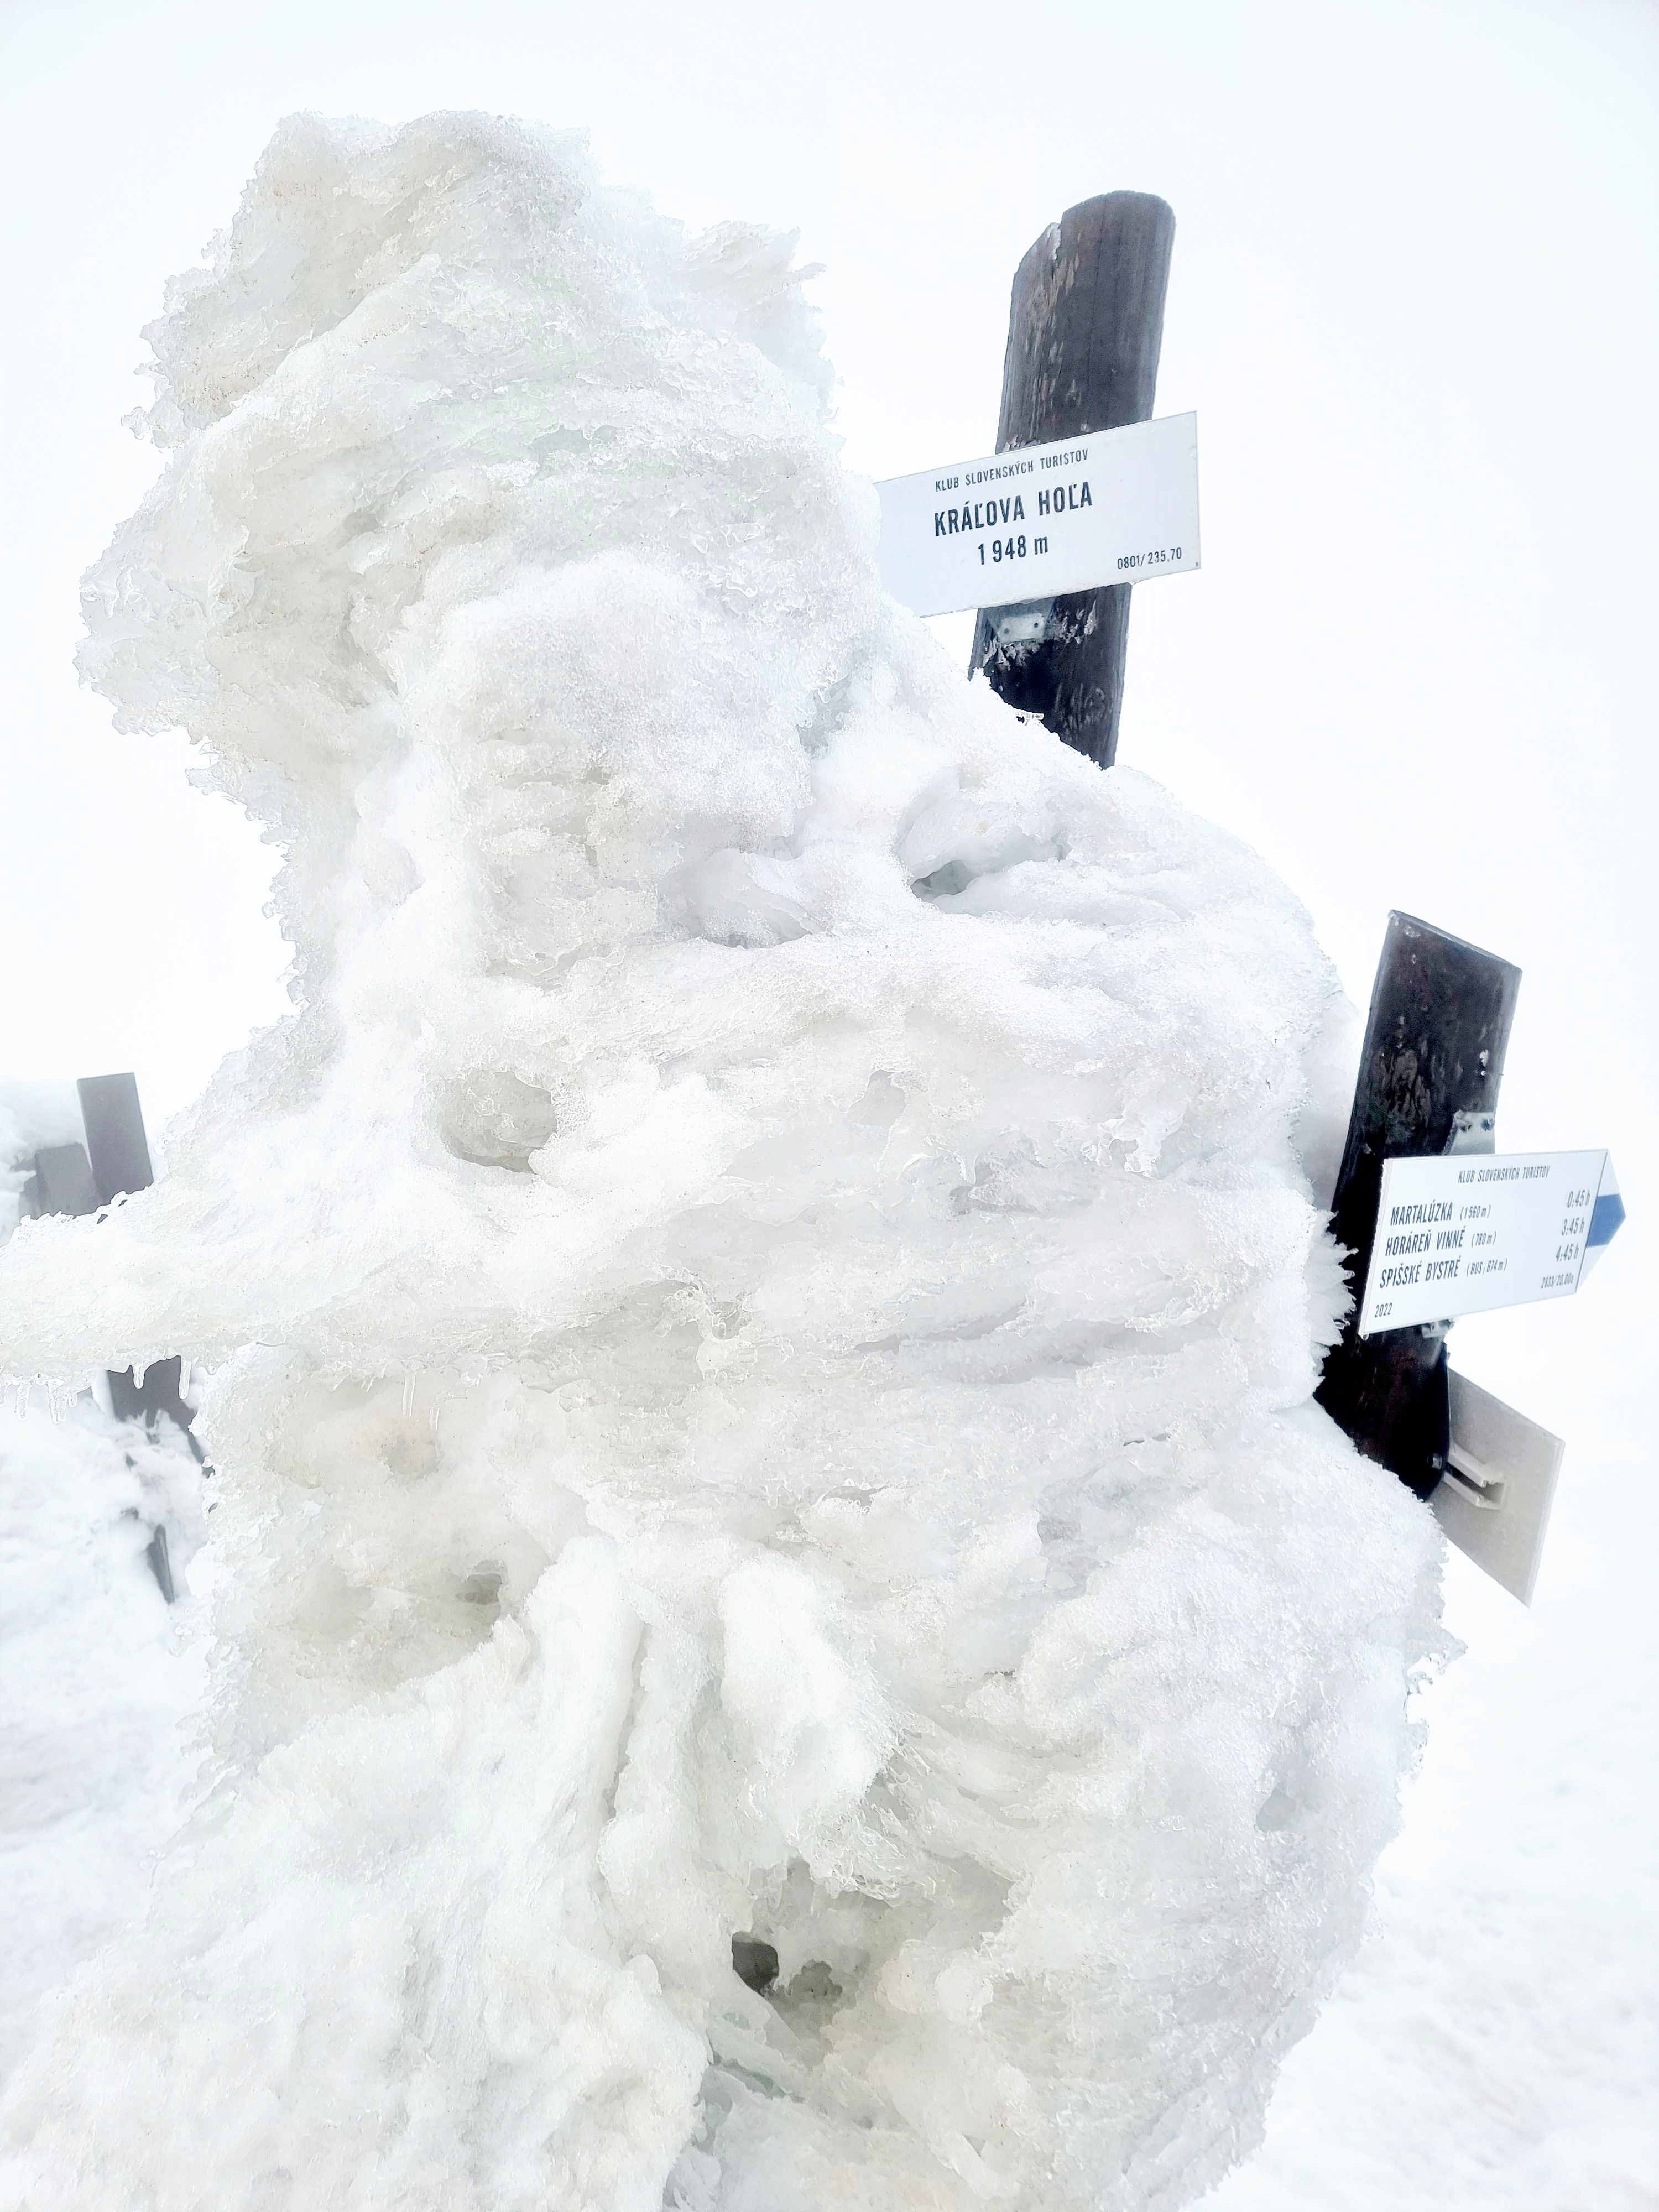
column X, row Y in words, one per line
column 1085, row 327
column 1429, row 1076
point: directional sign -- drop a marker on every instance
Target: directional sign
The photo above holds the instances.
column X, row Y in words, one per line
column 1109, row 507
column 1468, row 1232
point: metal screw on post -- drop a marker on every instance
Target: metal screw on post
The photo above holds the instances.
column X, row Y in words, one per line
column 1085, row 327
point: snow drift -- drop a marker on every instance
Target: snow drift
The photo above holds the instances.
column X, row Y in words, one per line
column 99, row 1678
column 763, row 1304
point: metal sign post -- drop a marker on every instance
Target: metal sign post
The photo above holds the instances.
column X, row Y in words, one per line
column 1436, row 1223
column 69, row 1179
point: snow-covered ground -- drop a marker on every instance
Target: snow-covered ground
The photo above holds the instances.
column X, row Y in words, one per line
column 99, row 1684
column 1493, row 2048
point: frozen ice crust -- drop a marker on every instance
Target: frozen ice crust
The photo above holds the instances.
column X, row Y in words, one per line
column 763, row 1303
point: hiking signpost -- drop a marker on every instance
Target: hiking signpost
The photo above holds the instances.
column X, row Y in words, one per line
column 1109, row 497
column 1085, row 496
column 1437, row 1223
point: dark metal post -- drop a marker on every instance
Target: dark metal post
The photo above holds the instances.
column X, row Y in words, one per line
column 1085, row 327
column 1429, row 1076
column 66, row 1181
column 115, row 1135
column 120, row 1162
column 63, row 1181
column 160, row 1562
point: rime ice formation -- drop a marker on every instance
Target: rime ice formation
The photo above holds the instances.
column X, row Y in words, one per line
column 763, row 1303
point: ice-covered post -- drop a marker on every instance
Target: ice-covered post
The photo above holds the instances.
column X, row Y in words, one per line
column 116, row 1162
column 71, row 1180
column 1085, row 327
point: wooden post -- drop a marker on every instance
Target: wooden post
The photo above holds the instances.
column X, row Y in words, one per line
column 1429, row 1076
column 1085, row 327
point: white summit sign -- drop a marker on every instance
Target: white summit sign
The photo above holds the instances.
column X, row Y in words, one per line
column 1110, row 507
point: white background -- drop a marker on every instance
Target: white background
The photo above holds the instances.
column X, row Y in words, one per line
column 1414, row 301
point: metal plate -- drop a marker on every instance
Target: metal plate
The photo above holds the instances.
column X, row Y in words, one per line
column 1494, row 1501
